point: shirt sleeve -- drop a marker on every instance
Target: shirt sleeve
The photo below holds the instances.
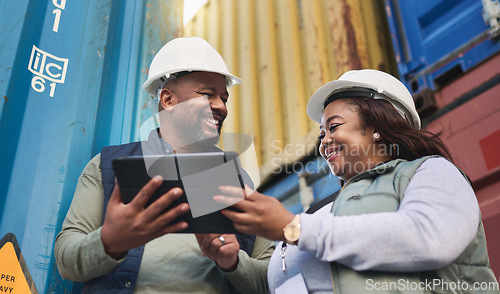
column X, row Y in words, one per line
column 251, row 274
column 78, row 249
column 437, row 219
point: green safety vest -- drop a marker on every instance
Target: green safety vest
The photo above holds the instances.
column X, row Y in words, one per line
column 381, row 189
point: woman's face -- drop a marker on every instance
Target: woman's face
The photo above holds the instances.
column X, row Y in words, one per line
column 345, row 145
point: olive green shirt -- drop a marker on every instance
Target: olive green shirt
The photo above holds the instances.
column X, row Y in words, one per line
column 172, row 263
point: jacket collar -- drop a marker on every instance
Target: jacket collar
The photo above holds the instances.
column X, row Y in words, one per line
column 377, row 170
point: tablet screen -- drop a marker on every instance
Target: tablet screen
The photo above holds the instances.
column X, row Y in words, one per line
column 198, row 174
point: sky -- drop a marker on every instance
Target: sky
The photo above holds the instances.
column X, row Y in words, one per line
column 191, row 7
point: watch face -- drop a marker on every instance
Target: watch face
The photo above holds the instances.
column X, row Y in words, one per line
column 292, row 233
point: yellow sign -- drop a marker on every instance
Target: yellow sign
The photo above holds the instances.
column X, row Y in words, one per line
column 12, row 276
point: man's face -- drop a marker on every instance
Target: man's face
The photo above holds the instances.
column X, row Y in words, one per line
column 197, row 107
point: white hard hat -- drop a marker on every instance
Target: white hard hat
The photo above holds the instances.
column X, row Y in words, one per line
column 382, row 86
column 185, row 55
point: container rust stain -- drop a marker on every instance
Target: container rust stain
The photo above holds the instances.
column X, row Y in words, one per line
column 332, row 40
column 5, row 97
column 351, row 37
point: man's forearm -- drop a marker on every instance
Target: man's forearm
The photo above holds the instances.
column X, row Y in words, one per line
column 81, row 257
column 250, row 275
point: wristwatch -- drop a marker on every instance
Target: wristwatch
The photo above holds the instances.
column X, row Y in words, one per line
column 292, row 231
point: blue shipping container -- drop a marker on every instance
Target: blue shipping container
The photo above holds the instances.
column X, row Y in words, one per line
column 437, row 40
column 71, row 76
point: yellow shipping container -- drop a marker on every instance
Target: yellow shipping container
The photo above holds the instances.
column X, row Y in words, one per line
column 284, row 50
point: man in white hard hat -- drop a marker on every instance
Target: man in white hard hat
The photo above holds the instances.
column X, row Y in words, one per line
column 126, row 247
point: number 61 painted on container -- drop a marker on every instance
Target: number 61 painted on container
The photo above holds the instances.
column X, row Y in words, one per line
column 46, row 66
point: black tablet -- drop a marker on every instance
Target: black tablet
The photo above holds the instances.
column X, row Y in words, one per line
column 199, row 175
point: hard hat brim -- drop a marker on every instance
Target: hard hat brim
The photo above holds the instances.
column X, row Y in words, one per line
column 153, row 83
column 315, row 106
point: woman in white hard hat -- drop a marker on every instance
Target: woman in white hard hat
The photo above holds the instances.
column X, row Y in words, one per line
column 405, row 220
